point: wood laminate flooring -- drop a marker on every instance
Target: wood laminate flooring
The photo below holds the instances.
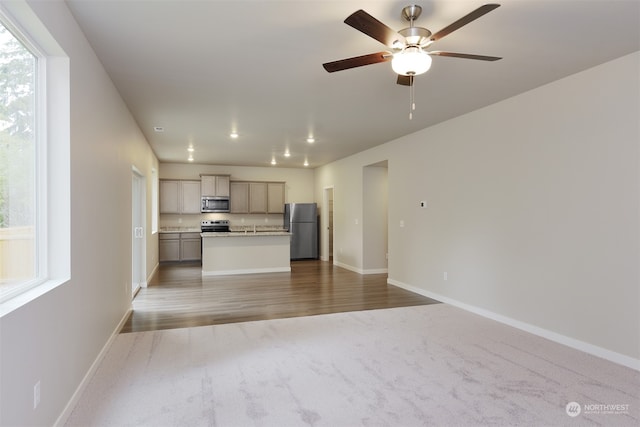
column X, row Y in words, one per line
column 179, row 297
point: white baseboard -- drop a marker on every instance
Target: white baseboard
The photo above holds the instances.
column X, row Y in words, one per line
column 348, row 267
column 375, row 271
column 360, row 270
column 64, row 416
column 594, row 350
column 150, row 276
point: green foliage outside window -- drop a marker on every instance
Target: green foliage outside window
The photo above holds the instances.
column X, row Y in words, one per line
column 17, row 138
column 18, row 231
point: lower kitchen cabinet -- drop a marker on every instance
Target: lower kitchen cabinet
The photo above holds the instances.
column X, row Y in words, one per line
column 169, row 249
column 190, row 247
column 179, row 247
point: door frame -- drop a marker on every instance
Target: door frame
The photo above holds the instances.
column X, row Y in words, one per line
column 138, row 231
column 325, row 254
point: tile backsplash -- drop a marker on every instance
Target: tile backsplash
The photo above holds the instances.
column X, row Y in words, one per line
column 235, row 220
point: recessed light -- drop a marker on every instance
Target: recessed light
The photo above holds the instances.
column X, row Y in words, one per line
column 311, row 140
column 287, row 153
column 234, row 135
column 190, row 149
column 158, row 129
column 190, row 158
column 273, row 161
column 306, row 163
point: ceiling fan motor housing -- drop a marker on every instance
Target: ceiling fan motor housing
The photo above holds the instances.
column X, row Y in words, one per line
column 416, row 36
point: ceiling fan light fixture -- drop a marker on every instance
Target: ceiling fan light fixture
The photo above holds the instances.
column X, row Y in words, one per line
column 412, row 61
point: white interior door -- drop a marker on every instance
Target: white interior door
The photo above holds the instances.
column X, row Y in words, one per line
column 138, row 234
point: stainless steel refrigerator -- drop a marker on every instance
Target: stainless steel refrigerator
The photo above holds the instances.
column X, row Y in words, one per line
column 301, row 220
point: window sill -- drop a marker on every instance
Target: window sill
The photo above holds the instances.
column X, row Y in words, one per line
column 26, row 297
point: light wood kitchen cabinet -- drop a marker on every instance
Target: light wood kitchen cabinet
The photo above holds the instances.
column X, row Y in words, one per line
column 257, row 197
column 190, row 197
column 169, row 195
column 179, row 197
column 190, row 247
column 239, row 197
column 179, row 247
column 169, row 249
column 215, row 185
column 275, row 197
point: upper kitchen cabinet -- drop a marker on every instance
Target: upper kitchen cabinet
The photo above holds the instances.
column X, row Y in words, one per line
column 179, row 197
column 275, row 197
column 214, row 185
column 257, row 197
column 239, row 197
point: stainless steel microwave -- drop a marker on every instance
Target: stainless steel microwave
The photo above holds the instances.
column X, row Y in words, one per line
column 215, row 204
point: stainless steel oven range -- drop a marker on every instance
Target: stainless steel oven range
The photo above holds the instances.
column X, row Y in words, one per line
column 214, row 225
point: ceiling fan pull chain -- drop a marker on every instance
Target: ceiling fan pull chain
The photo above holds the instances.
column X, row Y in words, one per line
column 412, row 102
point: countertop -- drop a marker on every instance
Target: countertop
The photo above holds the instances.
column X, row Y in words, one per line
column 246, row 230
column 247, row 234
column 179, row 230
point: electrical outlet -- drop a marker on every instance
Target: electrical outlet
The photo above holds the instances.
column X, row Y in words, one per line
column 36, row 395
column 423, row 204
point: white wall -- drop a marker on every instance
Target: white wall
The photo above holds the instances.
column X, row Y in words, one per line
column 533, row 208
column 55, row 338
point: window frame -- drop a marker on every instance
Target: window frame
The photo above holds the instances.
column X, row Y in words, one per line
column 52, row 155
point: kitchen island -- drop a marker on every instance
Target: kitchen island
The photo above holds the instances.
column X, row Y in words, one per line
column 245, row 252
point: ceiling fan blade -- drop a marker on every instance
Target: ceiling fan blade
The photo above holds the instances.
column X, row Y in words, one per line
column 405, row 80
column 465, row 56
column 482, row 10
column 362, row 21
column 357, row 61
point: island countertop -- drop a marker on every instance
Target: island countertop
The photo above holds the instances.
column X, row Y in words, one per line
column 245, row 234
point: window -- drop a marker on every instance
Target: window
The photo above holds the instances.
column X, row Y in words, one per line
column 35, row 200
column 19, row 228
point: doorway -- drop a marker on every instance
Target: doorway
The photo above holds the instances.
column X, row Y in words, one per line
column 138, row 235
column 375, row 218
column 327, row 224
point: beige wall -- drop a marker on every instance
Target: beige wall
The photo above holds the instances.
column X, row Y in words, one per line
column 533, row 209
column 56, row 338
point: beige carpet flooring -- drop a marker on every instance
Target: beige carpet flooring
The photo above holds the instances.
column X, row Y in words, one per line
column 432, row 365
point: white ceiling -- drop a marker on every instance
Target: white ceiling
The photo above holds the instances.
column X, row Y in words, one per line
column 200, row 69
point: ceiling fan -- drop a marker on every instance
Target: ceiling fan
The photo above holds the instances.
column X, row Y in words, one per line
column 408, row 55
